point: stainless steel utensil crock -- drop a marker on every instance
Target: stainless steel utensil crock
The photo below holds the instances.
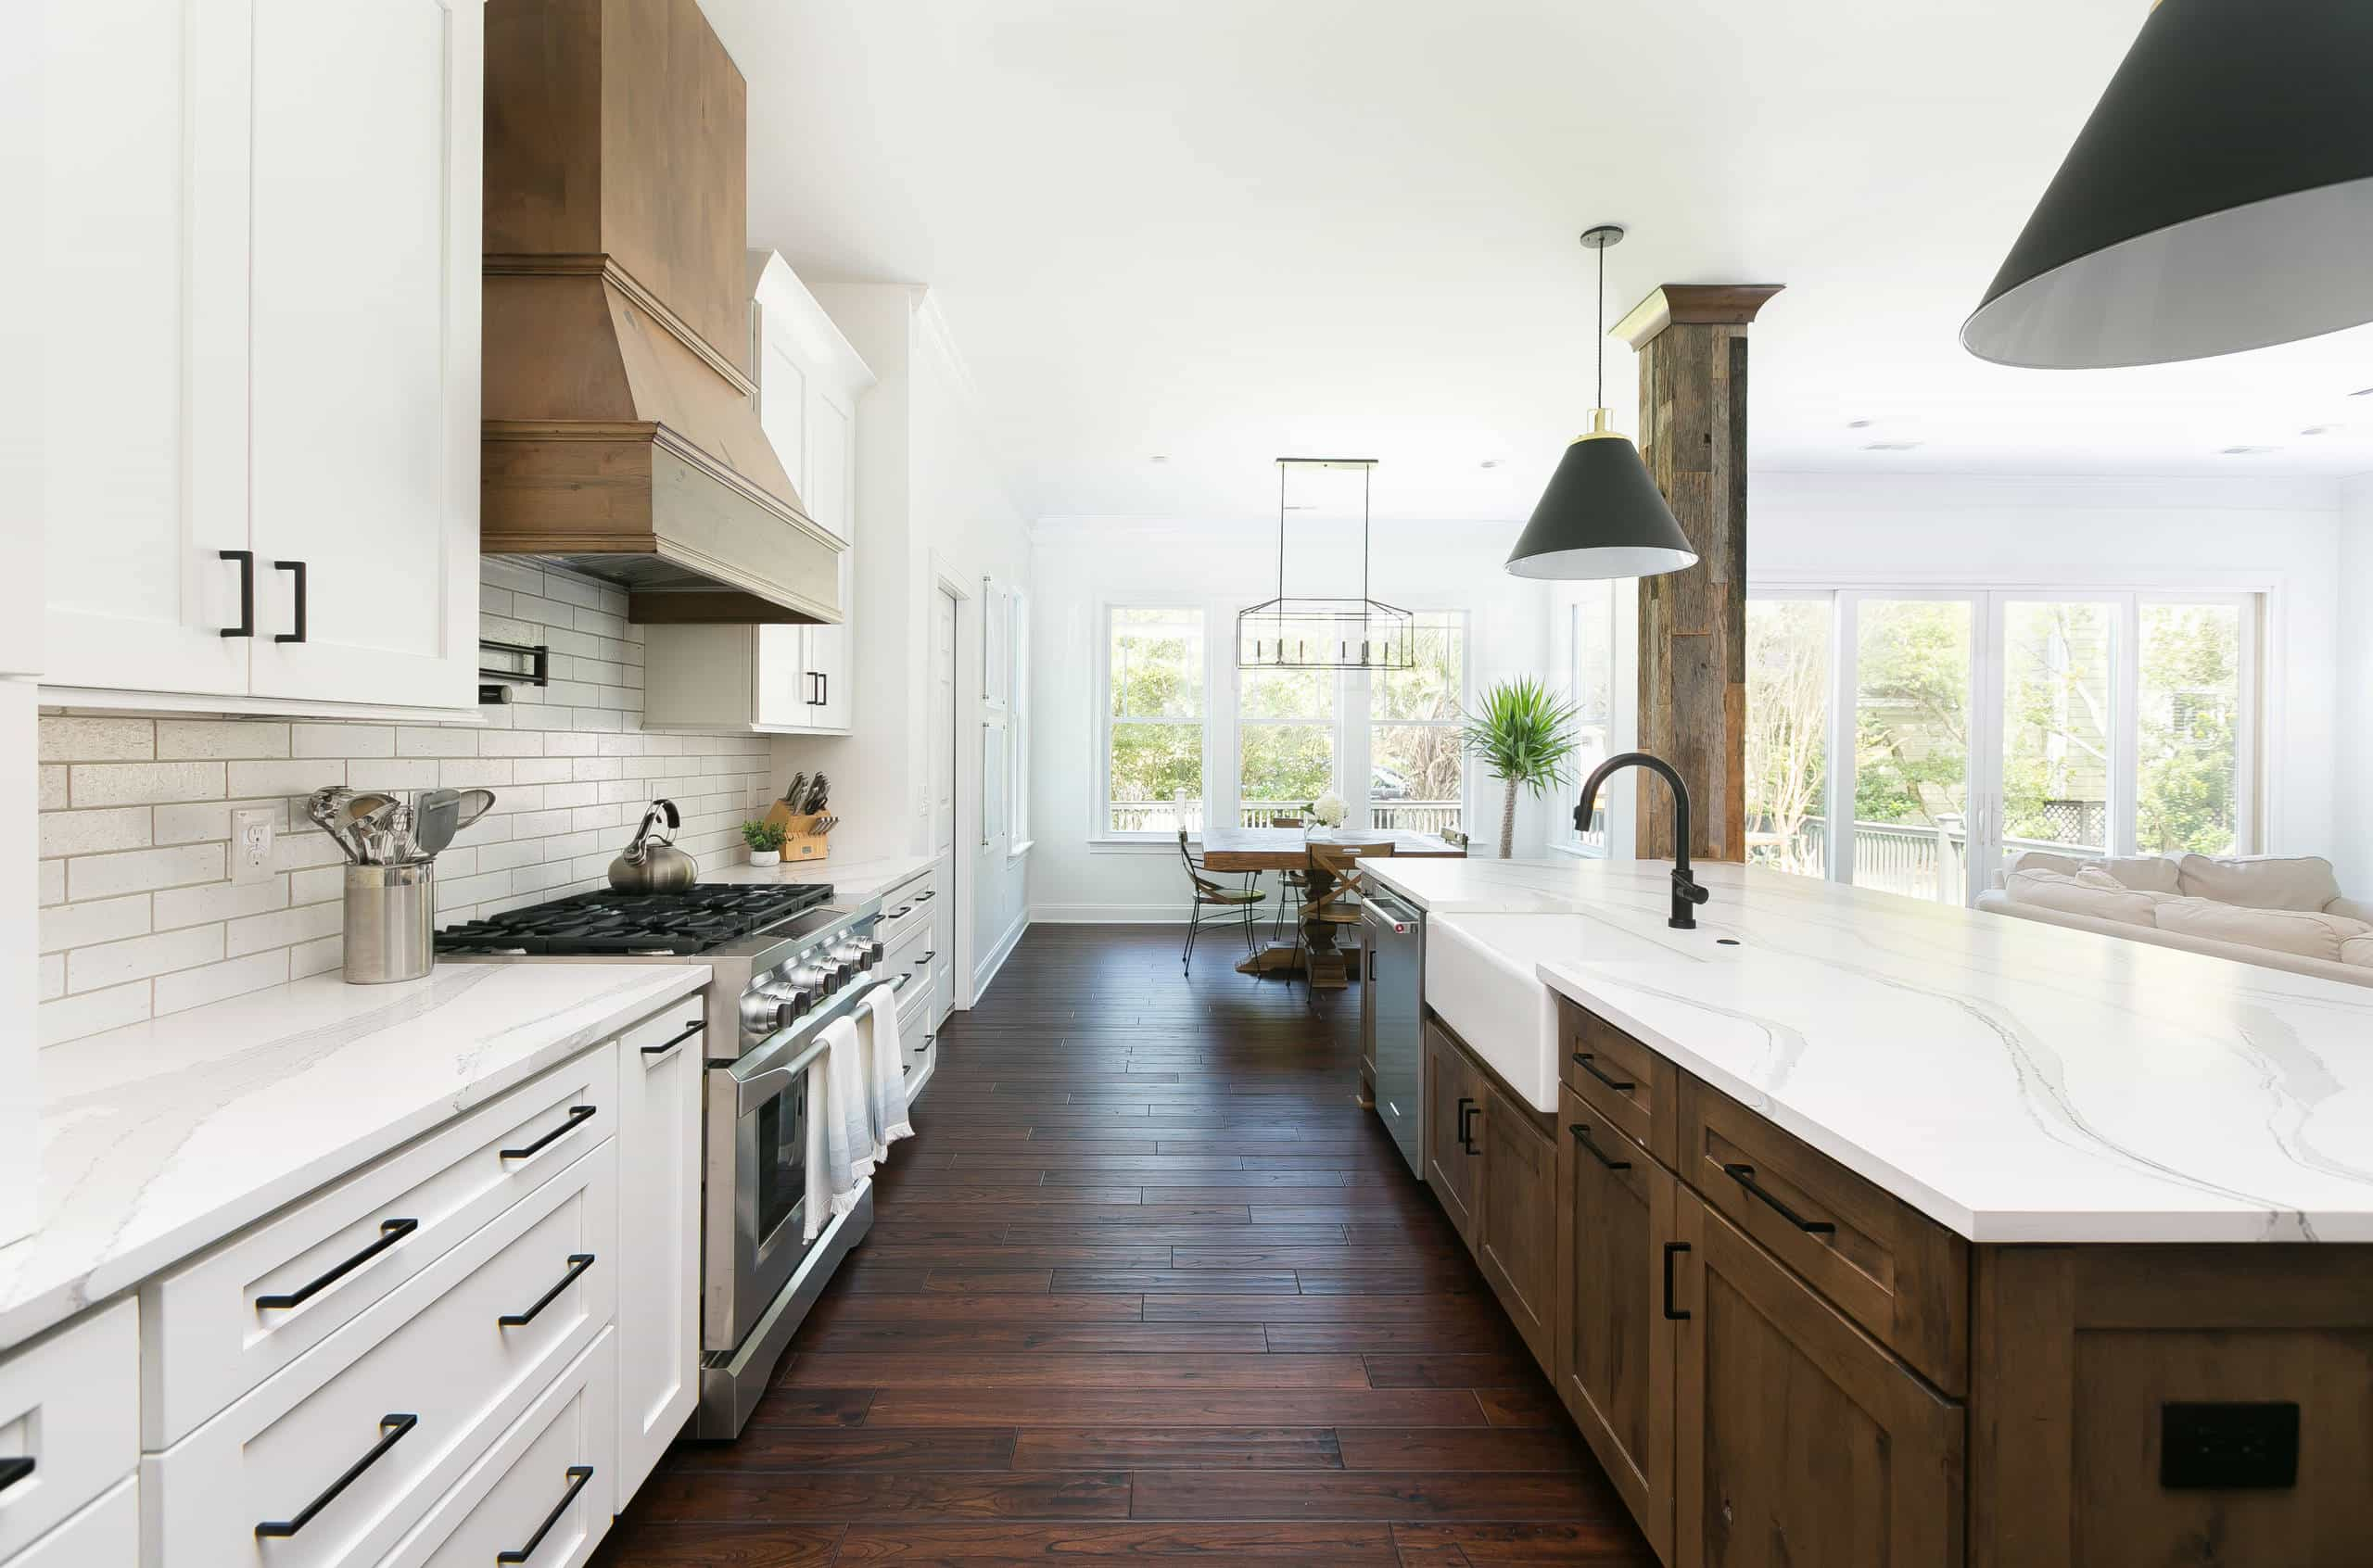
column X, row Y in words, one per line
column 390, row 922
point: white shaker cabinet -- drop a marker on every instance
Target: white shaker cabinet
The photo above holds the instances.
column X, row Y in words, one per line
column 261, row 442
column 661, row 1064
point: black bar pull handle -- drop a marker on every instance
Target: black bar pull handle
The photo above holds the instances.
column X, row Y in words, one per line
column 247, row 560
column 297, row 567
column 926, row 897
column 577, row 1116
column 1745, row 1176
column 1467, row 1108
column 1588, row 1065
column 1583, row 1135
column 13, row 1471
column 390, row 1233
column 391, row 1431
column 577, row 1263
column 667, row 1045
column 1672, row 1248
column 826, row 700
column 577, row 1475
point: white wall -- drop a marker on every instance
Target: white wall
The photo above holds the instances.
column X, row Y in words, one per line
column 2352, row 756
column 1084, row 564
column 931, row 503
column 2205, row 533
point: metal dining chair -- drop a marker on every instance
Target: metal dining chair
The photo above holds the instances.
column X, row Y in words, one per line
column 1289, row 887
column 1214, row 905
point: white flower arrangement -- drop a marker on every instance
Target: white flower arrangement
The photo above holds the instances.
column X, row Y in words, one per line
column 1329, row 809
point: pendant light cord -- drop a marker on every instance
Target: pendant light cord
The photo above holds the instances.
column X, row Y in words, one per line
column 1601, row 329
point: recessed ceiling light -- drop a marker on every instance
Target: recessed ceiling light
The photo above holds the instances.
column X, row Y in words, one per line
column 1488, row 463
column 1890, row 446
column 2320, row 430
column 2248, row 451
column 2362, row 392
column 1161, row 457
column 1860, row 423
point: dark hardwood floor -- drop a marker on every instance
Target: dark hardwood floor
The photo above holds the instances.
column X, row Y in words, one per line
column 1146, row 1283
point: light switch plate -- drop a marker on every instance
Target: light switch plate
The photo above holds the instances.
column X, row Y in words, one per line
column 251, row 833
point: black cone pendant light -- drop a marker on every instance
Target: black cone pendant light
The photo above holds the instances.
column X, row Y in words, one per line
column 1601, row 515
column 2219, row 199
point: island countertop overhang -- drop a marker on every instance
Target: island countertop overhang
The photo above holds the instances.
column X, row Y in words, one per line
column 2016, row 1082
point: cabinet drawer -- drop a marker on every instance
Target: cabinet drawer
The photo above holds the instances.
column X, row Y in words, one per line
column 905, row 909
column 909, row 953
column 70, row 1404
column 352, row 1443
column 1897, row 1272
column 534, row 1485
column 1632, row 1086
column 221, row 1325
column 106, row 1535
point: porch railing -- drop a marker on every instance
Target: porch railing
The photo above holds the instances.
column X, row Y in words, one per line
column 1167, row 817
column 1918, row 862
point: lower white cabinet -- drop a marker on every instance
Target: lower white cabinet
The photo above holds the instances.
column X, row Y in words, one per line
column 661, row 1062
column 544, row 1495
column 105, row 1534
column 69, row 1421
column 334, row 1459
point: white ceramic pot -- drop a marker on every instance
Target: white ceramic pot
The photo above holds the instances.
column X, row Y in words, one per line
column 765, row 857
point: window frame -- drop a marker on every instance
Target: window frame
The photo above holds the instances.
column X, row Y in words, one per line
column 1363, row 767
column 1100, row 805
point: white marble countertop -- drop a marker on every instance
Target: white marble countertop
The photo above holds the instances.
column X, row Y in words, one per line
column 853, row 882
column 162, row 1138
column 2014, row 1080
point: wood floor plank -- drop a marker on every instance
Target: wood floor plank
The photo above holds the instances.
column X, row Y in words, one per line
column 1026, row 1337
column 638, row 1543
column 1388, row 1494
column 879, row 1447
column 1200, row 1282
column 1615, row 1544
column 1117, row 1546
column 1437, row 1370
column 894, row 1373
column 842, row 1496
column 1109, row 1406
column 1456, row 1448
column 1188, row 1447
column 943, row 1306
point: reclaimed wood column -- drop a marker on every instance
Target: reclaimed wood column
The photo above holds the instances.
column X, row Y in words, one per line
column 1692, row 342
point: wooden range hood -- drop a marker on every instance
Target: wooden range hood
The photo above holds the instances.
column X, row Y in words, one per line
column 621, row 434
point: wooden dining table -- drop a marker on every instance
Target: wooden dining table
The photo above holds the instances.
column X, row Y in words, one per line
column 1288, row 849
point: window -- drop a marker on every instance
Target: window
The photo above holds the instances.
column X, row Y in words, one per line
column 1917, row 741
column 1153, row 754
column 1593, row 694
column 1286, row 741
column 1416, row 773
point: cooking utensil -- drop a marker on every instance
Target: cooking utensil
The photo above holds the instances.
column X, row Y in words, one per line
column 649, row 863
column 474, row 805
column 438, row 816
column 820, row 795
column 790, row 796
column 324, row 806
column 397, row 846
column 360, row 817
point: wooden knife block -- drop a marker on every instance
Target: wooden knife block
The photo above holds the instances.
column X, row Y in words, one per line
column 800, row 840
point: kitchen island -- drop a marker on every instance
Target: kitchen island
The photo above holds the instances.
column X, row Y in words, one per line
column 1853, row 1228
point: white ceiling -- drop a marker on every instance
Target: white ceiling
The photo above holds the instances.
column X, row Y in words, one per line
column 1223, row 231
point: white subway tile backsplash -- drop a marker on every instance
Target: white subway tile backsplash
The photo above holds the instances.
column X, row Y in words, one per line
column 102, row 784
column 92, row 833
column 70, row 737
column 186, row 738
column 139, row 919
column 211, row 982
column 113, row 963
column 105, row 875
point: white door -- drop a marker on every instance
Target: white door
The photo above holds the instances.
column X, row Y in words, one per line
column 944, row 754
column 144, row 246
column 364, row 346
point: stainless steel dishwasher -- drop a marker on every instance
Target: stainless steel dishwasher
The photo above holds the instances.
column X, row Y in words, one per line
column 1392, row 1025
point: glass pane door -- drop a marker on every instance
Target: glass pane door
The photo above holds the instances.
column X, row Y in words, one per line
column 1912, row 709
column 2058, row 750
column 2192, row 787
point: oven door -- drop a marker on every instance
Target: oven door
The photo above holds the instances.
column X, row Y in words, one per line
column 755, row 1205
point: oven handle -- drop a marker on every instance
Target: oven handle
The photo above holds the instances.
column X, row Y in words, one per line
column 768, row 1073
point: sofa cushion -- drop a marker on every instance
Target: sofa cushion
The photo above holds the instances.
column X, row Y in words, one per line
column 2309, row 933
column 2144, row 873
column 2353, row 909
column 2357, row 950
column 2061, row 891
column 2045, row 860
column 2260, row 881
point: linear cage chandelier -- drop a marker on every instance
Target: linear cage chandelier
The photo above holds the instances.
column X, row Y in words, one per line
column 1324, row 634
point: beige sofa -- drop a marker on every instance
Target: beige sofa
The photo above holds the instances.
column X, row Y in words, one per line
column 2281, row 913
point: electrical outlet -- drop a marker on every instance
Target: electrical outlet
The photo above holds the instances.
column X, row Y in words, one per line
column 251, row 833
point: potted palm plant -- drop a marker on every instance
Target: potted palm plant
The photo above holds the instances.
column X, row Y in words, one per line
column 1523, row 734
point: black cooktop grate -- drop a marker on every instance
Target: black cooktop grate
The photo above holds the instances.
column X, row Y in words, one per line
column 703, row 916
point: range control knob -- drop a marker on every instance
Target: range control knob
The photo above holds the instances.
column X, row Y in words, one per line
column 773, row 1007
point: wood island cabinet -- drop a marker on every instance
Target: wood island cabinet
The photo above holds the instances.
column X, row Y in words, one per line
column 1778, row 1363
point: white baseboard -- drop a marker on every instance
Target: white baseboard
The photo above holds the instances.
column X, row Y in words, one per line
column 1110, row 913
column 986, row 970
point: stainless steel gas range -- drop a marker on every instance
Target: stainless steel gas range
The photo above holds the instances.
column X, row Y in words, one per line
column 784, row 961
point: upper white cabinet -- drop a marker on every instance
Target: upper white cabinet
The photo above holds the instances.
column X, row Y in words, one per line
column 780, row 680
column 261, row 469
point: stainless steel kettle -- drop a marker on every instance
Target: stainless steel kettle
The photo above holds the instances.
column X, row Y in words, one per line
column 654, row 864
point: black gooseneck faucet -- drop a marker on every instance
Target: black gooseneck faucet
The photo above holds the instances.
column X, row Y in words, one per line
column 1686, row 893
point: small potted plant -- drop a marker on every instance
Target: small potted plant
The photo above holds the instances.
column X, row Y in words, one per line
column 765, row 839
